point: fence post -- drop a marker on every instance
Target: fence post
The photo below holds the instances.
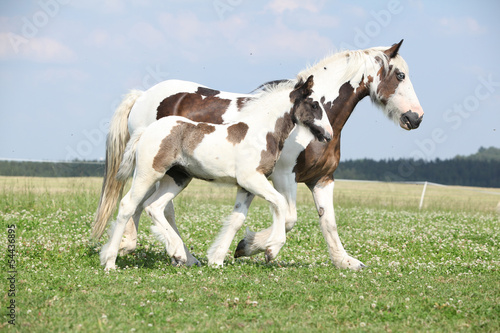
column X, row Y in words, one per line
column 422, row 197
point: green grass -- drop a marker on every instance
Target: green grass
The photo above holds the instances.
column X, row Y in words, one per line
column 435, row 270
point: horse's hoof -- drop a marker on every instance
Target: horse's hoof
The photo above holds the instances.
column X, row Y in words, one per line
column 269, row 255
column 350, row 263
column 193, row 263
column 240, row 249
column 177, row 261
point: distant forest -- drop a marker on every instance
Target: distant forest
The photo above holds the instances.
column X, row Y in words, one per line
column 480, row 169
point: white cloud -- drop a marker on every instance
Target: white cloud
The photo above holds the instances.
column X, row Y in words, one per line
column 280, row 6
column 465, row 25
column 43, row 49
column 186, row 27
column 61, row 75
column 357, row 11
column 147, row 35
column 284, row 42
column 101, row 6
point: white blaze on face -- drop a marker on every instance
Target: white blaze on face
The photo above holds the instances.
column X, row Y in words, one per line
column 396, row 95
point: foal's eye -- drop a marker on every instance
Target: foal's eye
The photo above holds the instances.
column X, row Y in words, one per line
column 315, row 105
column 400, row 76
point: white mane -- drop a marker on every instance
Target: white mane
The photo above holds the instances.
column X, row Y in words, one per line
column 349, row 63
column 267, row 97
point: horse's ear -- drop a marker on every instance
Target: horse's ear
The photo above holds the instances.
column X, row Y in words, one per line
column 302, row 89
column 308, row 85
column 393, row 50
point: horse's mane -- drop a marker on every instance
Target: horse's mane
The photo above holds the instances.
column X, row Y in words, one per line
column 347, row 63
column 350, row 62
column 268, row 91
column 270, row 85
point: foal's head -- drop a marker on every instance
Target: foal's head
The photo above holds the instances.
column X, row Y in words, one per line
column 308, row 111
column 392, row 90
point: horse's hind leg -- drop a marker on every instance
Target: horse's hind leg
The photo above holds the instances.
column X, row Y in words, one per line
column 155, row 207
column 128, row 243
column 170, row 216
column 128, row 206
column 219, row 248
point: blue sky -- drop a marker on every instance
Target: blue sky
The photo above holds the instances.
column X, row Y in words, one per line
column 64, row 65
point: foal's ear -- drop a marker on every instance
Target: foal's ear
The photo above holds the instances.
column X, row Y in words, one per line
column 309, row 85
column 302, row 89
column 393, row 50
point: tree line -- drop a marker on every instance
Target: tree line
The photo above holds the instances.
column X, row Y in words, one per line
column 480, row 169
column 448, row 172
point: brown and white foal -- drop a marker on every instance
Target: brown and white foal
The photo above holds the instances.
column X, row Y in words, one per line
column 242, row 153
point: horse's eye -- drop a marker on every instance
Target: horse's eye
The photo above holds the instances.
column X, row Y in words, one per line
column 315, row 105
column 400, row 76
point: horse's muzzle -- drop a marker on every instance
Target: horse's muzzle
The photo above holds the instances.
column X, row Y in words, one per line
column 410, row 120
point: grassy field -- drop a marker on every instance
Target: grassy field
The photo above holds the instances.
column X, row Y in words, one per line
column 430, row 270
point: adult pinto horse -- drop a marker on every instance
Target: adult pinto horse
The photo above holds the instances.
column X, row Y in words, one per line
column 342, row 80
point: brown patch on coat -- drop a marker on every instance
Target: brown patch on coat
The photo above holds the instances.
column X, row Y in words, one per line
column 207, row 91
column 184, row 137
column 274, row 144
column 237, row 132
column 320, row 160
column 388, row 84
column 195, row 106
column 242, row 101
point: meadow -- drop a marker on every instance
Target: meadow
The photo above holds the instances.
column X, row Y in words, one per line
column 434, row 270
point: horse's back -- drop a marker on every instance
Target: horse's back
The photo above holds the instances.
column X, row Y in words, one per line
column 188, row 99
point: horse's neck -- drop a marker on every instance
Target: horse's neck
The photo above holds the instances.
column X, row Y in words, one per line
column 340, row 97
column 268, row 112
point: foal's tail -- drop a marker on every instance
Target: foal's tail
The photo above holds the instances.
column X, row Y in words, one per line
column 115, row 146
column 128, row 162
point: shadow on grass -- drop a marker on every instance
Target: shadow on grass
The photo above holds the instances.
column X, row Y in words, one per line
column 151, row 259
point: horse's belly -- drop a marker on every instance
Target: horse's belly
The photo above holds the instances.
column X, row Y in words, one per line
column 213, row 165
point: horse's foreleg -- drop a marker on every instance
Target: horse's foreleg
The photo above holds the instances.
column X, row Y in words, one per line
column 270, row 243
column 252, row 243
column 285, row 184
column 219, row 248
column 323, row 197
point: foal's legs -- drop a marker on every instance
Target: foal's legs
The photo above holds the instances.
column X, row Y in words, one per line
column 129, row 241
column 272, row 244
column 128, row 206
column 170, row 216
column 285, row 184
column 155, row 207
column 323, row 197
column 219, row 248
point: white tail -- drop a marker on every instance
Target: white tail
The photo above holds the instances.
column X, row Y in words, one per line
column 128, row 162
column 115, row 146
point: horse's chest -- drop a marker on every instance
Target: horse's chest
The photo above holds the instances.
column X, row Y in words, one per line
column 316, row 161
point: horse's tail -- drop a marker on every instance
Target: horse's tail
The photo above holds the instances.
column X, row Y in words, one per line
column 128, row 162
column 115, row 146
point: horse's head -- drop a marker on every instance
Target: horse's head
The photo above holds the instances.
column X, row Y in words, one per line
column 392, row 90
column 308, row 111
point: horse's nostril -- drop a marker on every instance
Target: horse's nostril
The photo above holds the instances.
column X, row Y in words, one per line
column 411, row 119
